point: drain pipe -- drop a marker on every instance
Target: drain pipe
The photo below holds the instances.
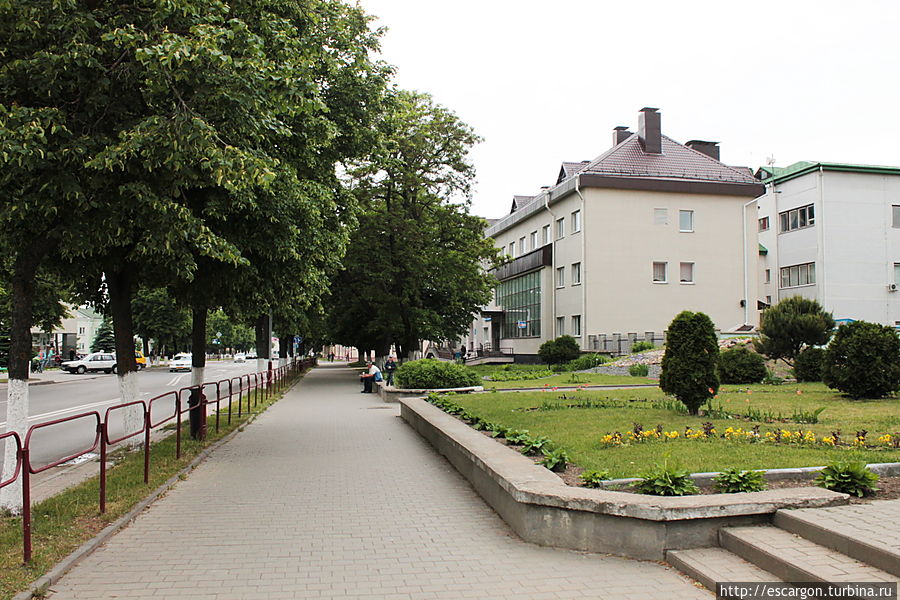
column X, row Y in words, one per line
column 746, row 261
column 553, row 263
column 583, row 266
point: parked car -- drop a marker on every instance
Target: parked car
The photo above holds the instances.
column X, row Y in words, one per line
column 95, row 361
column 240, row 357
column 251, row 355
column 181, row 362
column 140, row 359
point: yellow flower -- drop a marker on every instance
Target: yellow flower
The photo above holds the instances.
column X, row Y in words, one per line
column 828, row 440
column 885, row 439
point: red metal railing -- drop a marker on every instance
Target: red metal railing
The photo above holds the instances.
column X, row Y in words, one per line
column 267, row 382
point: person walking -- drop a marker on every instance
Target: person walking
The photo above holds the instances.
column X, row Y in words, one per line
column 389, row 367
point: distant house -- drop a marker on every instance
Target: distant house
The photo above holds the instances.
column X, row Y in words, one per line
column 831, row 232
column 74, row 334
column 622, row 243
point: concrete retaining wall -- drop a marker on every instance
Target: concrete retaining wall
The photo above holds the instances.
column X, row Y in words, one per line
column 542, row 509
column 393, row 394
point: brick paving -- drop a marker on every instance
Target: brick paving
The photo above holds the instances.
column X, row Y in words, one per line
column 876, row 524
column 330, row 495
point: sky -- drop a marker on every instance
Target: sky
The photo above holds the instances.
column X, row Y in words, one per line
column 544, row 82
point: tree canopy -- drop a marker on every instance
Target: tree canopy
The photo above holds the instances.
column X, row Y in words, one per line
column 790, row 326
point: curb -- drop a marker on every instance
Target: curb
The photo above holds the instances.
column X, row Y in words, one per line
column 40, row 587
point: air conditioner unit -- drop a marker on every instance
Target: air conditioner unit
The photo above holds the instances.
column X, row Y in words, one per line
column 892, row 287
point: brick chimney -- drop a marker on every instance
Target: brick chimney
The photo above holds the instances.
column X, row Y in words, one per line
column 620, row 134
column 711, row 149
column 649, row 130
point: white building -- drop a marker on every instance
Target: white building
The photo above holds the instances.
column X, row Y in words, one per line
column 621, row 244
column 831, row 232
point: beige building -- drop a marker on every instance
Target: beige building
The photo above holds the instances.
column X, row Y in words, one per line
column 621, row 244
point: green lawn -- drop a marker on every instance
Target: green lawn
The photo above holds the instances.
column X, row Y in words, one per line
column 579, row 430
column 559, row 380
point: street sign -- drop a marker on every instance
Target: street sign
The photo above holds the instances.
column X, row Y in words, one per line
column 487, row 319
column 522, row 324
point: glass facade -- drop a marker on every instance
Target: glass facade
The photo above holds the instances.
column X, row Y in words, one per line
column 520, row 298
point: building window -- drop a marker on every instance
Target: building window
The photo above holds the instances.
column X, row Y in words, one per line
column 576, row 273
column 797, row 275
column 768, row 276
column 576, row 325
column 520, row 298
column 659, row 272
column 660, row 216
column 576, row 221
column 764, row 224
column 797, row 218
column 560, row 228
column 896, row 272
column 560, row 326
column 534, row 240
column 685, row 220
column 512, row 249
column 769, row 300
column 81, row 331
column 546, row 234
column 521, row 246
column 560, row 277
column 895, row 215
column 687, row 272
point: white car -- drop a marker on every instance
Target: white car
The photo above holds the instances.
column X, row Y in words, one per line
column 95, row 361
column 239, row 358
column 181, row 362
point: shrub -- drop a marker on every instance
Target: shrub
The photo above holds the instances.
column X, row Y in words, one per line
column 664, row 480
column 561, row 350
column 585, row 361
column 740, row 365
column 689, row 364
column 641, row 346
column 863, row 360
column 852, row 478
column 638, row 370
column 429, row 373
column 791, row 325
column 555, row 460
column 732, row 481
column 808, row 365
column 592, row 479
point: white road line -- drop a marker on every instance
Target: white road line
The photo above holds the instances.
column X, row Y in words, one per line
column 71, row 409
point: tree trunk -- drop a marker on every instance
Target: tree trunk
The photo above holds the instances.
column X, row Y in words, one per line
column 263, row 342
column 23, row 289
column 120, row 285
column 284, row 345
column 198, row 371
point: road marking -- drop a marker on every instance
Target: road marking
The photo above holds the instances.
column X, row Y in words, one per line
column 72, row 409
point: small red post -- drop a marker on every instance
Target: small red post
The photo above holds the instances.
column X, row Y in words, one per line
column 26, row 504
column 147, row 445
column 102, row 427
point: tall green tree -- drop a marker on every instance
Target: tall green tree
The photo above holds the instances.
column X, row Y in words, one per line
column 415, row 269
column 158, row 316
column 105, row 339
column 790, row 326
column 690, row 359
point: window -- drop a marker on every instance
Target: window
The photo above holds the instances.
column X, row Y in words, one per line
column 560, row 277
column 769, row 300
column 659, row 272
column 512, row 249
column 560, row 228
column 546, row 234
column 764, row 224
column 576, row 273
column 895, row 215
column 687, row 272
column 520, row 298
column 660, row 216
column 685, row 220
column 576, row 325
column 534, row 240
column 81, row 331
column 797, row 275
column 576, row 221
column 560, row 326
column 521, row 246
column 797, row 218
column 768, row 276
column 896, row 272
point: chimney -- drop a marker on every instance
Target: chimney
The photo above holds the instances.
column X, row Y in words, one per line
column 711, row 149
column 620, row 134
column 649, row 131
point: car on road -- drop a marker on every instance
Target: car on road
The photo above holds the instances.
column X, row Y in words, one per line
column 240, row 357
column 95, row 361
column 140, row 359
column 251, row 355
column 181, row 362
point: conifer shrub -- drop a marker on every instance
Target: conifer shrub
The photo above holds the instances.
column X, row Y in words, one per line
column 689, row 363
column 558, row 351
column 808, row 365
column 740, row 365
column 863, row 360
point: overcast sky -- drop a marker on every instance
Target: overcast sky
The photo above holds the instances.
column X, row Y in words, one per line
column 543, row 81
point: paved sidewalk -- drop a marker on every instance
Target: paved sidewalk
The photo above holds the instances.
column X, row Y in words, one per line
column 329, row 494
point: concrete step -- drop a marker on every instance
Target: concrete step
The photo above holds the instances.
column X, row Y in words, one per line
column 792, row 558
column 710, row 566
column 870, row 533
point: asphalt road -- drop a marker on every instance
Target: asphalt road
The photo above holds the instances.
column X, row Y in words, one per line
column 76, row 394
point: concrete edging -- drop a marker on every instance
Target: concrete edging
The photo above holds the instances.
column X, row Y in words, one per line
column 393, row 394
column 39, row 587
column 541, row 509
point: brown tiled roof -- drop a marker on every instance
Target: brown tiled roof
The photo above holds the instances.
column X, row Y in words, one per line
column 570, row 168
column 520, row 201
column 676, row 161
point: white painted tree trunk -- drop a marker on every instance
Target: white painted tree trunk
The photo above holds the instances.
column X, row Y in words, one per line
column 133, row 417
column 16, row 420
column 197, row 375
column 262, row 364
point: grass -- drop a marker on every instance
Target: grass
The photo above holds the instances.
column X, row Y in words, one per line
column 62, row 523
column 578, row 430
column 559, row 380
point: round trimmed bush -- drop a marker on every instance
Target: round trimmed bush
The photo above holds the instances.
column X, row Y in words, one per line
column 740, row 365
column 429, row 373
column 808, row 364
column 558, row 351
column 863, row 360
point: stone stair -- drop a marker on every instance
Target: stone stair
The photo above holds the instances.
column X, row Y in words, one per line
column 854, row 543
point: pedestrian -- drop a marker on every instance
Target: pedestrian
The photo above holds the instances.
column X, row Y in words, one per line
column 389, row 367
column 331, row 356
